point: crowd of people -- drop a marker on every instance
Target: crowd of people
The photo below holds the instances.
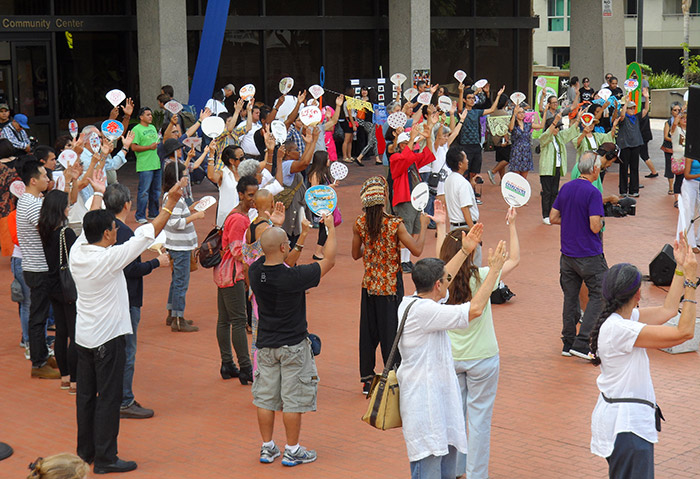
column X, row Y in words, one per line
column 75, row 259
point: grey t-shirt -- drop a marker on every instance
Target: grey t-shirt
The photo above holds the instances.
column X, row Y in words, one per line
column 629, row 134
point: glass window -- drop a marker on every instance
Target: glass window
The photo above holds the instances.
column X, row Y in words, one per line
column 350, row 8
column 240, row 61
column 631, row 7
column 451, row 8
column 674, row 7
column 291, row 7
column 349, row 54
column 97, row 63
column 293, row 53
column 558, row 14
column 560, row 56
column 491, row 63
column 250, row 7
column 25, row 7
column 450, row 50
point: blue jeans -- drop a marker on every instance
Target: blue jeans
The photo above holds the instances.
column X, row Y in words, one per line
column 16, row 265
column 436, row 467
column 478, row 381
column 179, row 282
column 631, row 457
column 148, row 193
column 128, row 393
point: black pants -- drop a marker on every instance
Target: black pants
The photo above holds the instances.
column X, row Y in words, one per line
column 39, row 286
column 632, row 458
column 573, row 272
column 378, row 324
column 629, row 165
column 100, row 381
column 64, row 347
column 550, row 190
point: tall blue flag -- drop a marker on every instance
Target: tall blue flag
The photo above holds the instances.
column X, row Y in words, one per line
column 209, row 52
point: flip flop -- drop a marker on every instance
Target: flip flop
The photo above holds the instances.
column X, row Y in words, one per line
column 669, row 192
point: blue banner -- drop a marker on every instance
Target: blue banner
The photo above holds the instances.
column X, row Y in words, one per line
column 209, row 53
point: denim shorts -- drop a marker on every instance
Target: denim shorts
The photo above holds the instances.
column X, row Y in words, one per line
column 286, row 379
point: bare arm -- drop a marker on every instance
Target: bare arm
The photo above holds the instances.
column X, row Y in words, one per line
column 305, row 160
column 467, row 216
column 415, row 245
column 514, row 250
column 174, row 196
column 356, row 243
column 328, row 260
column 497, row 259
column 212, row 174
column 294, row 254
column 493, row 106
column 594, row 222
column 554, row 216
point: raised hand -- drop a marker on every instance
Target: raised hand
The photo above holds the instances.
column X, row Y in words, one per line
column 511, row 215
column 98, row 181
column 471, row 240
column 680, row 249
column 204, row 114
column 498, row 257
column 128, row 108
column 305, row 225
column 113, row 113
column 239, row 105
column 269, row 139
column 107, row 147
column 301, row 97
column 277, row 215
column 339, row 101
column 500, row 92
column 175, row 192
column 439, row 212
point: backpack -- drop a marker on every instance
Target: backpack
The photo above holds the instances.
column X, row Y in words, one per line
column 209, row 252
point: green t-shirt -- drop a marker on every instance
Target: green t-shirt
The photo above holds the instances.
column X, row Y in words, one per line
column 146, row 160
column 478, row 341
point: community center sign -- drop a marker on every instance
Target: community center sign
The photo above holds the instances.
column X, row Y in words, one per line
column 60, row 24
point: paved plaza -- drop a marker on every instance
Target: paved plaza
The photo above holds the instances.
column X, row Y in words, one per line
column 206, row 427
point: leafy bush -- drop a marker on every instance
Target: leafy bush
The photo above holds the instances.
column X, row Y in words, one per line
column 665, row 80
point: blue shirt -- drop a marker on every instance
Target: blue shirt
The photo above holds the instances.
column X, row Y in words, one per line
column 577, row 201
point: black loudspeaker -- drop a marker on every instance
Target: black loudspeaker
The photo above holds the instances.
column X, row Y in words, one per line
column 662, row 268
column 692, row 137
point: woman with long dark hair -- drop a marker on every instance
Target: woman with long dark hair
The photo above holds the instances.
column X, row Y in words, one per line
column 319, row 174
column 53, row 224
column 474, row 349
column 624, row 423
column 377, row 238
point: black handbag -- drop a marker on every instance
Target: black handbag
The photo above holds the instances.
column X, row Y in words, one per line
column 70, row 293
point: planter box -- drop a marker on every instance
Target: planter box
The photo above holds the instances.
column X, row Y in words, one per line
column 661, row 100
column 689, row 346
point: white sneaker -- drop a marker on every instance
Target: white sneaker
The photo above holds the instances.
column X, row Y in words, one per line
column 587, row 356
column 491, row 177
column 546, row 221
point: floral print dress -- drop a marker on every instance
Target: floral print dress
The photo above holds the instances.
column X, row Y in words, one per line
column 521, row 149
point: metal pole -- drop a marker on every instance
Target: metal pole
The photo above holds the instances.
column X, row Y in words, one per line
column 640, row 31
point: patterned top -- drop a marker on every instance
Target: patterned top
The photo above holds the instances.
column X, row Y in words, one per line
column 381, row 257
column 227, row 138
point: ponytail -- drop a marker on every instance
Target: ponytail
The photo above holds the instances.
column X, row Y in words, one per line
column 620, row 284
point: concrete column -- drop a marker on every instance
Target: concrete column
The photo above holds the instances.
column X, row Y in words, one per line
column 597, row 42
column 409, row 38
column 162, row 47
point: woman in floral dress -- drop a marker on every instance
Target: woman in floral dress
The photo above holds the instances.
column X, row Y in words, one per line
column 521, row 141
column 377, row 239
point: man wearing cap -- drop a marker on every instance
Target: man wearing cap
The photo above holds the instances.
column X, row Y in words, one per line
column 147, row 166
column 404, row 166
column 15, row 132
column 4, row 115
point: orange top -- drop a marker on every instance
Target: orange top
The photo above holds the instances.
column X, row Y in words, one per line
column 381, row 257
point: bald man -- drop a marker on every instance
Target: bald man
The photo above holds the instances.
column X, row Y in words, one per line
column 287, row 378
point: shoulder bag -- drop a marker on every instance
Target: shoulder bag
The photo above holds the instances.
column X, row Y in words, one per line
column 383, row 411
column 209, row 252
column 70, row 294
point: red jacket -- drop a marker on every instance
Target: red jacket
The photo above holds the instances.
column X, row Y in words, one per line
column 399, row 163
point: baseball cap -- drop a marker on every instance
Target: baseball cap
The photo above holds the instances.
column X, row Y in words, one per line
column 22, row 120
column 403, row 137
column 4, row 106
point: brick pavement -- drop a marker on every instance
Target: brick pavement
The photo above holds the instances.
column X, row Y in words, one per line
column 205, row 426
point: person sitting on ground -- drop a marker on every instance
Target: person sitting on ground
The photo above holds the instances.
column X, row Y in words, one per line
column 429, row 391
column 626, row 418
column 287, row 378
column 59, row 466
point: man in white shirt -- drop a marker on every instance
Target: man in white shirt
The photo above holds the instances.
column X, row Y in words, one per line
column 101, row 324
column 247, row 142
column 462, row 210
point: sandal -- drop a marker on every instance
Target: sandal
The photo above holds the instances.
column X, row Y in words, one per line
column 669, row 192
column 348, row 160
column 379, row 163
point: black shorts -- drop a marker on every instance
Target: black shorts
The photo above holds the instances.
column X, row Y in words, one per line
column 502, row 153
column 345, row 126
column 473, row 153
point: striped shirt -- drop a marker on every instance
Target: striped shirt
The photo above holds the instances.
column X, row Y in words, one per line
column 28, row 208
column 179, row 235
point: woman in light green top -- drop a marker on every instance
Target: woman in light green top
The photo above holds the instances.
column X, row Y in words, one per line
column 590, row 140
column 553, row 162
column 475, row 349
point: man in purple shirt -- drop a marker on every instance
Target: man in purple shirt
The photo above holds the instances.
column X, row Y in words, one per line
column 579, row 210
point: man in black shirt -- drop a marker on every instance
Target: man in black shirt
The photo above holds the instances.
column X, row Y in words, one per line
column 117, row 199
column 286, row 378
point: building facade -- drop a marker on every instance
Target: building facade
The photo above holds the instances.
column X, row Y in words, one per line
column 662, row 32
column 58, row 58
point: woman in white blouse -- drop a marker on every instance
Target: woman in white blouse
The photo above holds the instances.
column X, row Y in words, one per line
column 624, row 424
column 431, row 404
